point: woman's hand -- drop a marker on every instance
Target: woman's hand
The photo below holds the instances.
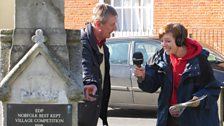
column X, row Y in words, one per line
column 195, row 104
column 140, row 72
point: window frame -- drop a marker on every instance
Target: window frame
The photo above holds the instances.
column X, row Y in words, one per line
column 145, row 27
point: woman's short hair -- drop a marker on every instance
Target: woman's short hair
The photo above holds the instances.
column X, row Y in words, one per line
column 178, row 30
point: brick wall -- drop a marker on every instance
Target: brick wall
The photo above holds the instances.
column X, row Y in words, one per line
column 199, row 14
column 204, row 19
column 78, row 12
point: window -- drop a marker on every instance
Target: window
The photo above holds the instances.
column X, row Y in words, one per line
column 118, row 53
column 134, row 15
column 147, row 49
column 213, row 58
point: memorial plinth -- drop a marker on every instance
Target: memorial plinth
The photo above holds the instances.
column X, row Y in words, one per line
column 40, row 67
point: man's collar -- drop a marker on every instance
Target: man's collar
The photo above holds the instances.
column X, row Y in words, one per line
column 100, row 43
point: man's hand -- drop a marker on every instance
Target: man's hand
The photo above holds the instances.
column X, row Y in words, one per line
column 89, row 92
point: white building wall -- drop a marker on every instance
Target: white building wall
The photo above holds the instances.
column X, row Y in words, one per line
column 7, row 14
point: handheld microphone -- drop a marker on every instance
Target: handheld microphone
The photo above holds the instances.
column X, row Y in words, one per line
column 138, row 60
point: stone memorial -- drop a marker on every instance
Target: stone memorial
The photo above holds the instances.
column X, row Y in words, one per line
column 40, row 67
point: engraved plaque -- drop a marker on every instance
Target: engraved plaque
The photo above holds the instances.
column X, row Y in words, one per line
column 39, row 115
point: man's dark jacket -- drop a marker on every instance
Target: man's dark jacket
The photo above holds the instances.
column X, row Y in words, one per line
column 91, row 60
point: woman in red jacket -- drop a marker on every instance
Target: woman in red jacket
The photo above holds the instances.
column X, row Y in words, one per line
column 182, row 72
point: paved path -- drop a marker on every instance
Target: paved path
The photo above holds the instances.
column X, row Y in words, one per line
column 117, row 121
column 119, row 117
